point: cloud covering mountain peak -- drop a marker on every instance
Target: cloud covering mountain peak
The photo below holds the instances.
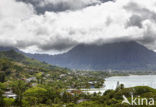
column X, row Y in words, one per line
column 54, row 32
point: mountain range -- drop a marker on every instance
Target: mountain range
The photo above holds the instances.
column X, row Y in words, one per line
column 116, row 56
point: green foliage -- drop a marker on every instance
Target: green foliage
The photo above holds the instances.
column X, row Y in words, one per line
column 2, row 88
column 89, row 104
column 143, row 89
column 19, row 88
column 67, row 97
column 8, row 102
column 2, row 77
column 35, row 95
column 7, row 56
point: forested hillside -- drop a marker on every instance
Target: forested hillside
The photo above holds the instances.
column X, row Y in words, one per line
column 33, row 83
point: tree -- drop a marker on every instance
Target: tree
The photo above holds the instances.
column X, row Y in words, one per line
column 52, row 94
column 19, row 88
column 35, row 95
column 39, row 77
column 2, row 87
column 5, row 64
column 2, row 77
column 8, row 102
column 67, row 97
column 122, row 86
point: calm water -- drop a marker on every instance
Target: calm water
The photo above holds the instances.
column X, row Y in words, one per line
column 128, row 81
column 131, row 81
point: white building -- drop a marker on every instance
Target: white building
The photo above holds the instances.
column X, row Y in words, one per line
column 9, row 94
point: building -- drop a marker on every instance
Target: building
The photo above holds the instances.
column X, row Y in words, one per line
column 10, row 94
column 31, row 79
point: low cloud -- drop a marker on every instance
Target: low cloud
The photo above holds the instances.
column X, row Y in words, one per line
column 42, row 6
column 58, row 44
column 54, row 32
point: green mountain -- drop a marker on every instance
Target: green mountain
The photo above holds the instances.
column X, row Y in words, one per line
column 16, row 65
column 14, row 56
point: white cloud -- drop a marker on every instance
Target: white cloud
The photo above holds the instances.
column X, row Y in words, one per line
column 16, row 10
column 56, row 32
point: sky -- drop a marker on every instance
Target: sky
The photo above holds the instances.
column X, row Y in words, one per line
column 56, row 26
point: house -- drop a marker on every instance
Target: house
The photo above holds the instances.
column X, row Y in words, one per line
column 47, row 75
column 92, row 84
column 81, row 100
column 31, row 79
column 74, row 91
column 10, row 94
column 62, row 75
column 34, row 84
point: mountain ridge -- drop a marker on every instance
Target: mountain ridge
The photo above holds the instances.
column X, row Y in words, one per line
column 115, row 56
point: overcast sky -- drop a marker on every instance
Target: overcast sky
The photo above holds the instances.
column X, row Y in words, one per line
column 53, row 26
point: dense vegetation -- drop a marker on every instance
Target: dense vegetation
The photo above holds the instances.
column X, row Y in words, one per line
column 37, row 84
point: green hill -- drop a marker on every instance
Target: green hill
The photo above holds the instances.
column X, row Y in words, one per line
column 20, row 58
column 16, row 65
